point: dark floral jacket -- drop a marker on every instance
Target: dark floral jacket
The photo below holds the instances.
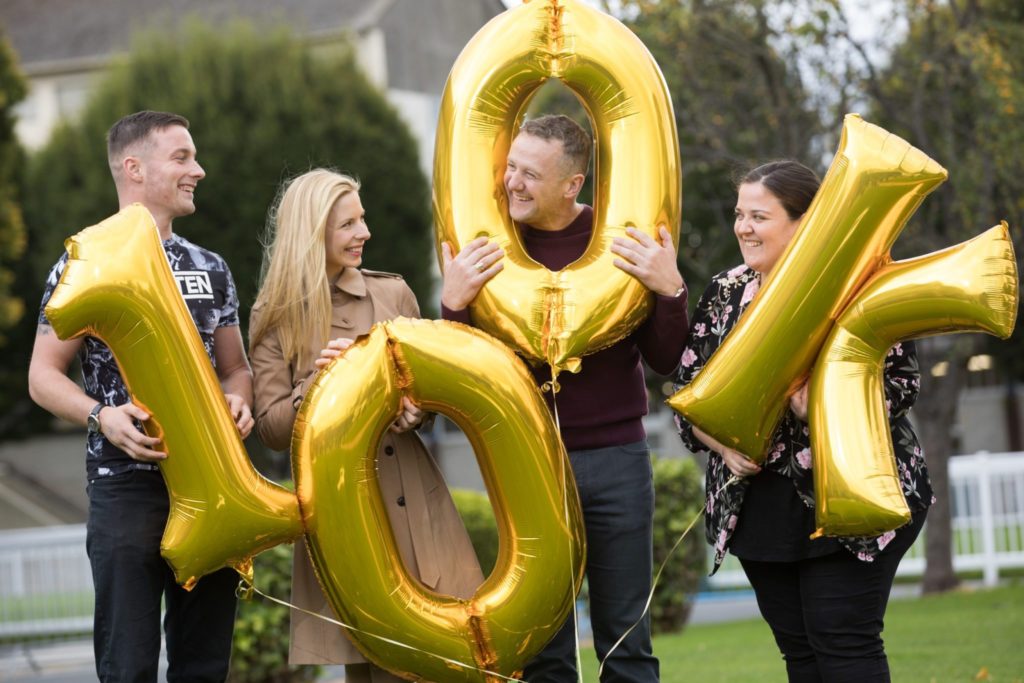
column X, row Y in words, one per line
column 719, row 307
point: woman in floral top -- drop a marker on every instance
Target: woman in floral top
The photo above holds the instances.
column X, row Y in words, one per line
column 824, row 599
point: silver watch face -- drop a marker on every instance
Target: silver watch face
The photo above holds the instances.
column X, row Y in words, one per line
column 93, row 422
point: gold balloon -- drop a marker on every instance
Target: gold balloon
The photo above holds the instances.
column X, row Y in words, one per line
column 874, row 185
column 557, row 317
column 117, row 286
column 969, row 287
column 487, row 391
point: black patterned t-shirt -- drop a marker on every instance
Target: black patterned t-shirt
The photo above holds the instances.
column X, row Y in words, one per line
column 205, row 283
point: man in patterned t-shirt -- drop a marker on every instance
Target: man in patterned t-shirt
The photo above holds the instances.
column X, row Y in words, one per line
column 153, row 161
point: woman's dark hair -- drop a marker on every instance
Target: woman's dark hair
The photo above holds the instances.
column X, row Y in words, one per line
column 792, row 183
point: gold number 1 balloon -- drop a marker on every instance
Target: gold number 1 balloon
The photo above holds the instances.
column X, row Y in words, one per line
column 117, row 286
column 557, row 317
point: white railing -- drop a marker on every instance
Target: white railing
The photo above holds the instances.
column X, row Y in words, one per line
column 987, row 519
column 46, row 584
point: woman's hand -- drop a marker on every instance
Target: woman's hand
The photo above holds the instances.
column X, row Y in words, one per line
column 331, row 351
column 798, row 402
column 739, row 464
column 410, row 417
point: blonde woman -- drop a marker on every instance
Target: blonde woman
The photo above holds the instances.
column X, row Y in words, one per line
column 313, row 301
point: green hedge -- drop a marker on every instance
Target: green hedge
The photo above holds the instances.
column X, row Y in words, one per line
column 260, row 648
column 678, row 497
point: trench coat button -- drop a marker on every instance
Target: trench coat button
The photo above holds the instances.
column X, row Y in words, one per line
column 401, row 501
column 389, row 450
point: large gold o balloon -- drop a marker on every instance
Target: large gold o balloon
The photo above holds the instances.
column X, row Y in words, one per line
column 488, row 392
column 557, row 317
column 117, row 286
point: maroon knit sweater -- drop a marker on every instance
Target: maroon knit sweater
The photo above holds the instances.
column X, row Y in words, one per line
column 603, row 404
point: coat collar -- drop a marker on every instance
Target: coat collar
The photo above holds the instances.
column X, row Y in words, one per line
column 351, row 281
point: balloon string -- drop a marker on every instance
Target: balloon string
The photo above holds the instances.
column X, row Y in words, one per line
column 657, row 576
column 246, row 589
column 554, row 387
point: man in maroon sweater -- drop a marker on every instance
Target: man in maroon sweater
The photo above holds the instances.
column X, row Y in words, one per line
column 600, row 409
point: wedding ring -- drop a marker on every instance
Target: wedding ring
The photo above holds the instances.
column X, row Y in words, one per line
column 479, row 265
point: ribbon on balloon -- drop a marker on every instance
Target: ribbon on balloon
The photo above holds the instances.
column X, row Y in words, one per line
column 834, row 304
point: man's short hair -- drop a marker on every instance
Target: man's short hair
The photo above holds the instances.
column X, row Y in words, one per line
column 576, row 143
column 135, row 128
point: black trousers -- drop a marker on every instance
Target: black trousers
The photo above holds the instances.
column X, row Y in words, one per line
column 617, row 495
column 127, row 513
column 827, row 613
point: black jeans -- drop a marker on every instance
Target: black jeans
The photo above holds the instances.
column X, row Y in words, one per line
column 127, row 513
column 827, row 613
column 617, row 493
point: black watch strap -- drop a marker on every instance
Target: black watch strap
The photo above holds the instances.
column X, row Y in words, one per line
column 93, row 421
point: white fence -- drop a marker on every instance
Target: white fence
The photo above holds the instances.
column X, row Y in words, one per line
column 46, row 586
column 988, row 521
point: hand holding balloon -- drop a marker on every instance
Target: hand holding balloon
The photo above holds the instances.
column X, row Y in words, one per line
column 798, row 402
column 737, row 463
column 410, row 417
column 331, row 351
column 118, row 425
column 241, row 413
column 651, row 262
column 465, row 274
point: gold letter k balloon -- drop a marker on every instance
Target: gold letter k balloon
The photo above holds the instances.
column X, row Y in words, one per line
column 835, row 304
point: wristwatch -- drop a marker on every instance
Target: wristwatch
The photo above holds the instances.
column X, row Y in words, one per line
column 93, row 421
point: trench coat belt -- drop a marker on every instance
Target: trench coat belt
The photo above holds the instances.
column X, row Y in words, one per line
column 420, row 525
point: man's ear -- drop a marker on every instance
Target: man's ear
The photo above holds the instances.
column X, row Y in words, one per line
column 575, row 185
column 132, row 168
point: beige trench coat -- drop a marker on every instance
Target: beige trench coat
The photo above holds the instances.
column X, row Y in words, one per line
column 431, row 537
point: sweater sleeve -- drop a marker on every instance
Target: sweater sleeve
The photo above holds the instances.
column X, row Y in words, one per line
column 662, row 337
column 462, row 316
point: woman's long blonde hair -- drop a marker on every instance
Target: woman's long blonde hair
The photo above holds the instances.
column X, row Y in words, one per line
column 295, row 297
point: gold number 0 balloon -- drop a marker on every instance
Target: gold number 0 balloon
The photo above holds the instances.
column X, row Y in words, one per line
column 480, row 384
column 118, row 287
column 557, row 317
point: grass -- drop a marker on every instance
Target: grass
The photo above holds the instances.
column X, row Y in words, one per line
column 958, row 636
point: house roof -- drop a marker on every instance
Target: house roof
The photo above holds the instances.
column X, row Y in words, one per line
column 422, row 36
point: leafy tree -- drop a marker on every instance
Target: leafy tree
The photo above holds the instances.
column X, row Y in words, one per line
column 738, row 101
column 954, row 87
column 13, row 383
column 263, row 107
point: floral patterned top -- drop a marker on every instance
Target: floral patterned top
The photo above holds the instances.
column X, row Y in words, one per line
column 719, row 308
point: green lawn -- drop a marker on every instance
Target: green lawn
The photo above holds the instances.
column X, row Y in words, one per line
column 961, row 636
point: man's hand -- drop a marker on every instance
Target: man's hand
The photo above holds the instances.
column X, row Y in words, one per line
column 241, row 413
column 331, row 351
column 118, row 426
column 464, row 275
column 410, row 418
column 651, row 263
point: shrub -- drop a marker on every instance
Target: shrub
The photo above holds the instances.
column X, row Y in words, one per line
column 260, row 648
column 678, row 496
column 478, row 516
